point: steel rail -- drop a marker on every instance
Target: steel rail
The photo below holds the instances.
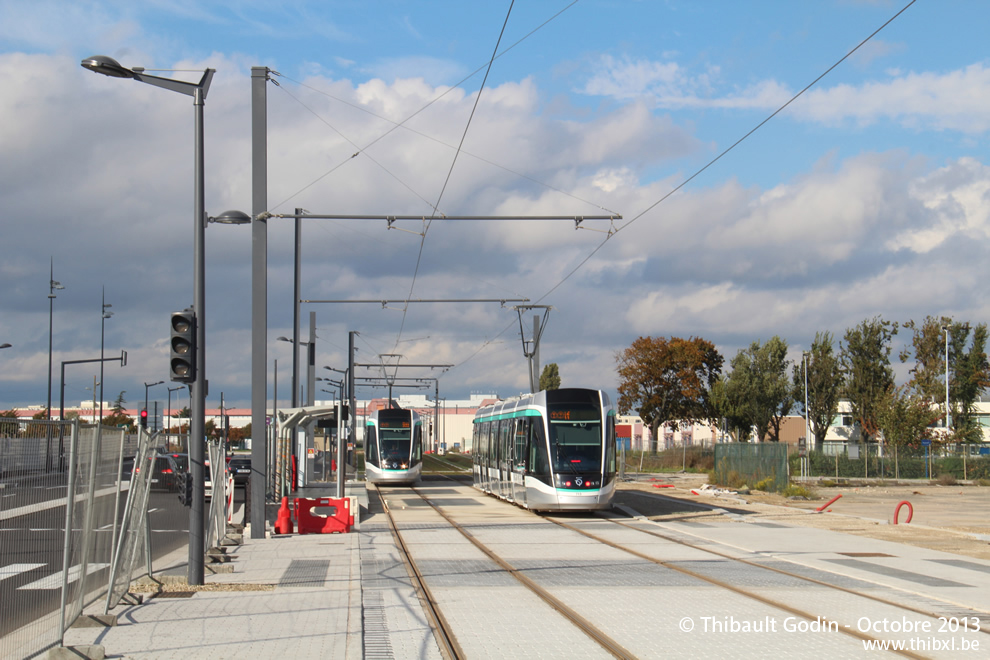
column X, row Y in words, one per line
column 780, row 571
column 571, row 615
column 449, row 647
column 724, row 585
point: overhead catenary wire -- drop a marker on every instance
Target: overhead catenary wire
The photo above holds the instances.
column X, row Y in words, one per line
column 725, row 151
column 450, row 170
column 686, row 181
column 397, row 125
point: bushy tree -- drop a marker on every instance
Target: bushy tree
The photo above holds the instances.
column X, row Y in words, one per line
column 728, row 412
column 760, row 388
column 865, row 358
column 969, row 371
column 550, row 378
column 667, row 380
column 824, row 386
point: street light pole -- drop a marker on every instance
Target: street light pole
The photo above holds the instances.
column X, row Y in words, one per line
column 148, row 386
column 197, row 422
column 948, row 412
column 168, row 413
column 807, row 416
column 52, row 287
column 104, row 315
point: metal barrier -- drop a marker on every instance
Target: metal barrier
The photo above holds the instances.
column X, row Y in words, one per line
column 752, row 464
column 849, row 460
column 135, row 530
column 216, row 528
column 54, row 477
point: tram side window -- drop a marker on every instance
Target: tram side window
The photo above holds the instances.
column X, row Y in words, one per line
column 539, row 460
column 371, row 445
column 493, row 445
column 482, row 447
column 476, row 442
column 417, row 452
column 519, row 439
column 504, row 440
column 610, row 449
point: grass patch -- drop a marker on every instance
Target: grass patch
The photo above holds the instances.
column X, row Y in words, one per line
column 794, row 490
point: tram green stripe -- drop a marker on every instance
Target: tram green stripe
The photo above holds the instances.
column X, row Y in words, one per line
column 519, row 413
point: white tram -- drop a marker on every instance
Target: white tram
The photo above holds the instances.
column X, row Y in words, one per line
column 549, row 451
column 393, row 442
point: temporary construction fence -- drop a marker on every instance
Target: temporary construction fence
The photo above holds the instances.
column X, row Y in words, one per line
column 134, row 539
column 63, row 490
column 743, row 463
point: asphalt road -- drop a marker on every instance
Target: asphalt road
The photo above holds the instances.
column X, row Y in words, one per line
column 32, row 546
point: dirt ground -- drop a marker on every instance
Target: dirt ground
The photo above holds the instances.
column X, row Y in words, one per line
column 953, row 519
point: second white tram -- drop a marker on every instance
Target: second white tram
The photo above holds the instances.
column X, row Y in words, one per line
column 393, row 445
column 549, row 451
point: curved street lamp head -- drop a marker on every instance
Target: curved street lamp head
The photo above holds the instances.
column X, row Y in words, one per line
column 107, row 66
column 4, row 345
column 232, row 218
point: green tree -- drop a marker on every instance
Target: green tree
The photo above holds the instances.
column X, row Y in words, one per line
column 824, row 386
column 904, row 418
column 865, row 359
column 969, row 372
column 667, row 380
column 8, row 429
column 118, row 403
column 760, row 387
column 550, row 378
column 729, row 412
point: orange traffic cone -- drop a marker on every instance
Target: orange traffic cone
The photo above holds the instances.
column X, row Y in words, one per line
column 283, row 524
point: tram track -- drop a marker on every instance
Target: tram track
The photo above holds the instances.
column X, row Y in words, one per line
column 445, row 635
column 616, row 649
column 449, row 647
column 809, row 616
column 984, row 616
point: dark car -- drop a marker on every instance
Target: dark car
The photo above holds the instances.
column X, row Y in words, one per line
column 240, row 468
column 165, row 472
column 181, row 460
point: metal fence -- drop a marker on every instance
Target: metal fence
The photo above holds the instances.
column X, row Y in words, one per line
column 759, row 464
column 134, row 539
column 61, row 492
column 872, row 461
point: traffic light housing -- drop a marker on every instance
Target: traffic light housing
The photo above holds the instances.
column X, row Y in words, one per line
column 144, row 419
column 185, row 489
column 182, row 368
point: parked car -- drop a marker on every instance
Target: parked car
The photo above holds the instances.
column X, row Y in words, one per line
column 240, row 468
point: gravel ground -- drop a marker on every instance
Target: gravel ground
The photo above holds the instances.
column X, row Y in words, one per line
column 948, row 518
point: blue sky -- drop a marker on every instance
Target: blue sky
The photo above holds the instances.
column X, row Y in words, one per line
column 867, row 196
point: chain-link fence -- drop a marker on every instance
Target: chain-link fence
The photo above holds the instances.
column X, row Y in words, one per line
column 134, row 539
column 872, row 461
column 61, row 488
column 762, row 465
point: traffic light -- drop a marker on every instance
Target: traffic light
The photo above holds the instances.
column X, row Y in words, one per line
column 183, row 364
column 144, row 419
column 185, row 489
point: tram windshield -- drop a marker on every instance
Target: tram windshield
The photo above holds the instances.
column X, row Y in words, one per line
column 394, row 443
column 575, row 443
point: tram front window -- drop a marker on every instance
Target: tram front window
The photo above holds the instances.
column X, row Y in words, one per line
column 394, row 445
column 576, row 446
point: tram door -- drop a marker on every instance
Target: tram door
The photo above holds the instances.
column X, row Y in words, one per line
column 505, row 458
column 518, row 475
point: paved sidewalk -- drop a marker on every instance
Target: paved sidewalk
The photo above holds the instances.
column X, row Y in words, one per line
column 295, row 596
